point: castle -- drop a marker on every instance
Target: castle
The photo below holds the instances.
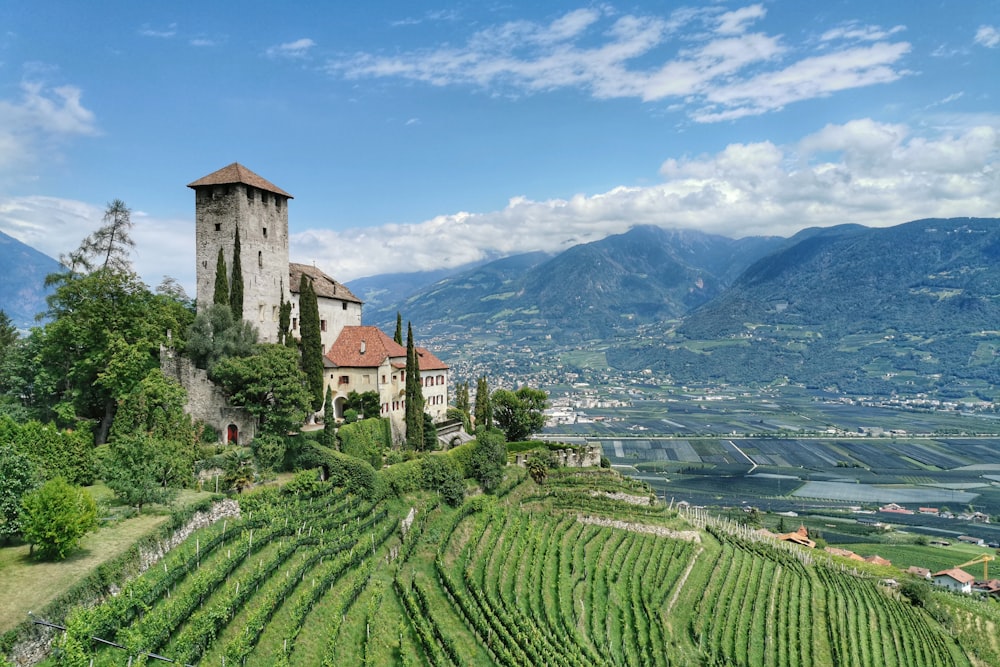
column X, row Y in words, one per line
column 356, row 358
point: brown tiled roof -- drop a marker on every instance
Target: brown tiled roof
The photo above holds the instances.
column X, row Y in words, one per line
column 323, row 285
column 346, row 351
column 429, row 362
column 237, row 173
column 958, row 575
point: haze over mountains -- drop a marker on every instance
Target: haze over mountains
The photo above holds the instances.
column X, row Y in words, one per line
column 914, row 307
column 911, row 308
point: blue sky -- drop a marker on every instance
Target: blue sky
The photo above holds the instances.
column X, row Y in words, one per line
column 415, row 136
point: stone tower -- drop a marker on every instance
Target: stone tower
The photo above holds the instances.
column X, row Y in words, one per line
column 235, row 197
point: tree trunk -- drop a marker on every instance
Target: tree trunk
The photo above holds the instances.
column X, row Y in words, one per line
column 104, row 426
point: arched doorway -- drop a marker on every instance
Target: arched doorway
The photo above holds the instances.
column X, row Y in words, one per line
column 232, row 434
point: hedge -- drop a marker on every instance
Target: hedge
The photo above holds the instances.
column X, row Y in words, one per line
column 366, row 439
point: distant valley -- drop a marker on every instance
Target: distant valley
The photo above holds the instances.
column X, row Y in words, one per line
column 22, row 281
column 913, row 308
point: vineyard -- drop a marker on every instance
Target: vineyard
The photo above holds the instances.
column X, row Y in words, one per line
column 580, row 570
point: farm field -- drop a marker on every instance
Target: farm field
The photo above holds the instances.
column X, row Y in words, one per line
column 580, row 570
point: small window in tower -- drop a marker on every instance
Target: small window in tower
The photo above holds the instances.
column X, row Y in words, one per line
column 204, row 265
column 295, row 323
column 322, row 325
column 343, row 305
column 260, row 259
column 274, row 313
column 265, row 232
column 249, row 194
column 277, row 202
column 263, row 197
column 218, row 226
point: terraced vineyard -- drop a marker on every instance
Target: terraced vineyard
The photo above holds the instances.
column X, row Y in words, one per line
column 578, row 571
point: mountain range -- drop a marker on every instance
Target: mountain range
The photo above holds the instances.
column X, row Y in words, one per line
column 908, row 308
column 22, row 281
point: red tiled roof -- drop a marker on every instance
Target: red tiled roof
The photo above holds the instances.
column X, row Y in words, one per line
column 323, row 285
column 346, row 351
column 237, row 173
column 428, row 362
column 958, row 575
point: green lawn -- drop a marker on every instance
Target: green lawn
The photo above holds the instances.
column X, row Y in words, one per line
column 28, row 585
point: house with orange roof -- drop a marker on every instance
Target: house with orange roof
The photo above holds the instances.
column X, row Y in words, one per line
column 954, row 579
column 364, row 358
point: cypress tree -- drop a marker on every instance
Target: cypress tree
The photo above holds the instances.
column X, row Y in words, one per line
column 311, row 341
column 484, row 411
column 221, row 296
column 236, row 284
column 398, row 337
column 329, row 437
column 414, row 413
column 285, row 321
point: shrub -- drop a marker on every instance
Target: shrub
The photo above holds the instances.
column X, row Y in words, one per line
column 366, row 439
column 55, row 516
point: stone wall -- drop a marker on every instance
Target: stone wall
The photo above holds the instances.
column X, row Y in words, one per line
column 206, row 402
column 582, row 457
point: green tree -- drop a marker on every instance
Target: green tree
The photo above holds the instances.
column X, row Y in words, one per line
column 269, row 384
column 8, row 335
column 398, row 336
column 366, row 403
column 108, row 248
column 329, row 436
column 285, row 321
column 538, row 467
column 17, row 477
column 133, row 467
column 55, row 453
column 214, row 335
column 414, row 408
column 104, row 333
column 311, row 342
column 519, row 413
column 236, row 284
column 268, row 451
column 156, row 409
column 220, row 296
column 484, row 412
column 55, row 516
column 489, row 456
column 462, row 401
column 430, row 434
column 442, row 474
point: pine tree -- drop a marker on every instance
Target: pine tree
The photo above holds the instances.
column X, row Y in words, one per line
column 398, row 337
column 236, row 284
column 221, row 296
column 414, row 413
column 484, row 411
column 311, row 342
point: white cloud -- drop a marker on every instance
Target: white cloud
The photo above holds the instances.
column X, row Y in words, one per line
column 863, row 172
column 33, row 125
column 56, row 226
column 704, row 60
column 988, row 36
column 166, row 33
column 297, row 49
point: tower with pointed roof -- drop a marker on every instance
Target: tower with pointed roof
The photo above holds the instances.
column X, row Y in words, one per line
column 235, row 197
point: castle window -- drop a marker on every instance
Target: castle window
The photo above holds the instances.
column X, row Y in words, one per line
column 344, row 379
column 295, row 323
column 260, row 259
column 260, row 313
column 274, row 313
column 383, row 379
column 218, row 226
column 263, row 197
column 265, row 232
column 322, row 325
column 249, row 194
column 277, row 202
column 343, row 305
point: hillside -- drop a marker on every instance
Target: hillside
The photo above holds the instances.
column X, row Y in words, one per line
column 580, row 570
column 911, row 308
column 591, row 291
column 22, row 281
